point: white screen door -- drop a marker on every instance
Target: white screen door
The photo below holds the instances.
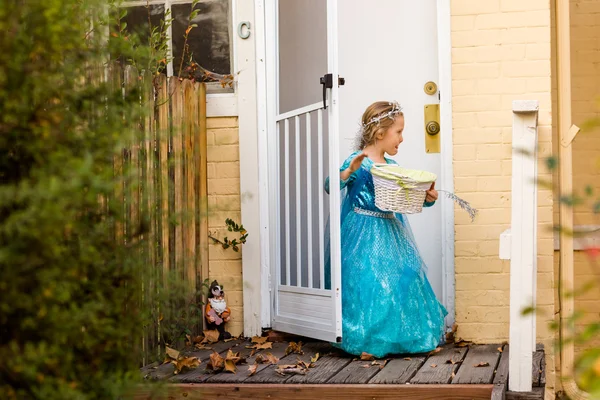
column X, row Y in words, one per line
column 304, row 149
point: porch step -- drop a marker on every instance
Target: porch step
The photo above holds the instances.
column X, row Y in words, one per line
column 476, row 371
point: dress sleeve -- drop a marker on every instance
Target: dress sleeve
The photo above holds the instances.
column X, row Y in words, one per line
column 351, row 178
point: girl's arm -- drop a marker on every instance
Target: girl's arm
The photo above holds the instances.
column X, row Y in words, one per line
column 350, row 166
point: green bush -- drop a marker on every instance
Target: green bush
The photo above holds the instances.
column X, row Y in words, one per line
column 69, row 317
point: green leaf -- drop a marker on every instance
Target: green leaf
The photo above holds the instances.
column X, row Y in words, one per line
column 551, row 163
column 528, row 310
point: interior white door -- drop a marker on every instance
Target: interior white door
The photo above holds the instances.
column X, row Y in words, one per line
column 304, row 143
column 388, row 50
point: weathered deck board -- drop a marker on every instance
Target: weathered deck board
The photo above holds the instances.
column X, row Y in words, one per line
column 312, row 392
column 324, row 369
column 473, row 369
column 543, row 373
column 398, row 370
column 536, row 368
column 266, row 373
column 356, row 372
column 436, row 370
column 499, row 391
column 536, row 394
column 502, row 369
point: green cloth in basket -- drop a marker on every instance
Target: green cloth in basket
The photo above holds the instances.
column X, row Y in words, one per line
column 404, row 177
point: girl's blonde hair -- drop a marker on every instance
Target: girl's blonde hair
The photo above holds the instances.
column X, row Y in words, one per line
column 377, row 118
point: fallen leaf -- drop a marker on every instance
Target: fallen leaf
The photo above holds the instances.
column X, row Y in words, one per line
column 272, row 359
column 294, row 347
column 314, row 358
column 366, row 357
column 263, row 346
column 453, row 375
column 433, row 365
column 384, row 364
column 189, row 340
column 407, row 358
column 228, row 340
column 462, row 343
column 211, row 336
column 216, row 361
column 500, row 349
column 200, row 346
column 252, row 369
column 453, row 362
column 230, row 366
column 259, row 339
column 172, row 353
column 290, row 369
column 375, row 362
column 252, row 353
column 366, row 366
column 436, row 350
column 234, row 357
column 198, row 339
column 482, row 364
column 184, row 363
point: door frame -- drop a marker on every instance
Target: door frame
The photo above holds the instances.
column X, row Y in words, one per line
column 266, row 67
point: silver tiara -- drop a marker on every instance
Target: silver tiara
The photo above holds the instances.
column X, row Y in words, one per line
column 392, row 114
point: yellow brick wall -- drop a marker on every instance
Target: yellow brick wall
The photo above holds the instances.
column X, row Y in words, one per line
column 501, row 51
column 224, row 202
column 585, row 83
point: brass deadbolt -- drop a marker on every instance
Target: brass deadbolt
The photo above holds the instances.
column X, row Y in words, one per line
column 430, row 88
column 432, row 128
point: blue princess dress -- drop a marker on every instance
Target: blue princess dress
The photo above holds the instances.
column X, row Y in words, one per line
column 388, row 305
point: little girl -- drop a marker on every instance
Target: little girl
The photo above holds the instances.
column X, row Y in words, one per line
column 388, row 305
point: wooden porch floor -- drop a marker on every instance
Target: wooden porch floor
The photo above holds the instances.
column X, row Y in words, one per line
column 453, row 372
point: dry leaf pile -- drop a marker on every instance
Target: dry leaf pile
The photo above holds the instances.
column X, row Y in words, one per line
column 180, row 361
column 267, row 358
column 294, row 348
column 375, row 363
column 300, row 368
column 227, row 364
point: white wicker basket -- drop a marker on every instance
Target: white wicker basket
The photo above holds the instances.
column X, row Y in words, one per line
column 399, row 189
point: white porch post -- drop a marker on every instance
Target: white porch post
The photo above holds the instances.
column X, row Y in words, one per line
column 519, row 244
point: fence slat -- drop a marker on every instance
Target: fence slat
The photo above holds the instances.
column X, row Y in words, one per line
column 177, row 108
column 202, row 174
column 191, row 126
column 150, row 199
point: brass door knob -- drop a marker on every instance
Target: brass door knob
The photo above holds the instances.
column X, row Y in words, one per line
column 432, row 128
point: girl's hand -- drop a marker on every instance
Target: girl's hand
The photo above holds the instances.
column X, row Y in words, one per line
column 432, row 194
column 353, row 167
column 356, row 162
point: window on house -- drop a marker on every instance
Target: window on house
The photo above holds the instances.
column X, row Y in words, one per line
column 209, row 44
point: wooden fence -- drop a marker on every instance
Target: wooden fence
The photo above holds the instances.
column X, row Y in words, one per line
column 165, row 193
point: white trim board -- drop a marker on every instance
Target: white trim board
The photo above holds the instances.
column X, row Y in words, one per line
column 447, row 170
column 222, row 105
